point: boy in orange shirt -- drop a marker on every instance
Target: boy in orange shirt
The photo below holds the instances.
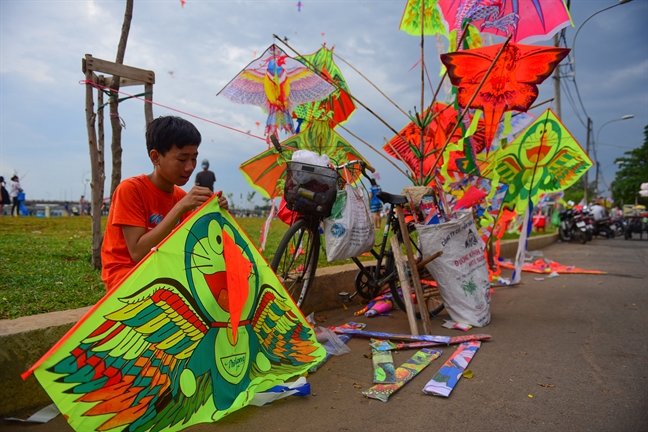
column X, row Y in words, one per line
column 146, row 208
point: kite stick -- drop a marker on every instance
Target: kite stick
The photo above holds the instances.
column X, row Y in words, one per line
column 336, row 85
column 472, row 98
column 369, row 81
column 422, row 142
column 374, row 149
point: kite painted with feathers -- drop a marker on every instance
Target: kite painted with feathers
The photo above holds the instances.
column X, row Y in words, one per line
column 195, row 330
column 277, row 83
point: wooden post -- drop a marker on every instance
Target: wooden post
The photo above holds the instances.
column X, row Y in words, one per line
column 406, row 289
column 416, row 281
column 94, row 162
column 148, row 106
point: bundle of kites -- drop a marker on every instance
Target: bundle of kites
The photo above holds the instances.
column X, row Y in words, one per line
column 202, row 324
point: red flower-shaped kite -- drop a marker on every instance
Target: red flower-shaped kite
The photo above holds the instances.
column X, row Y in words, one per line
column 512, row 83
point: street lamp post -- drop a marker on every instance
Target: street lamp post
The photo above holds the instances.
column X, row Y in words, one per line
column 596, row 144
column 573, row 51
column 573, row 63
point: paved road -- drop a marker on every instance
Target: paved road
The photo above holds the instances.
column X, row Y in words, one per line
column 576, row 343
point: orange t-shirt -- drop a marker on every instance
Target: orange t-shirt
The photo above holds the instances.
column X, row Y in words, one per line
column 136, row 202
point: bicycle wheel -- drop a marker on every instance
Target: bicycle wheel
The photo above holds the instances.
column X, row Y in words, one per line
column 295, row 260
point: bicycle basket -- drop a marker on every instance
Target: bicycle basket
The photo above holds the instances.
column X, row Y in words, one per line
column 310, row 189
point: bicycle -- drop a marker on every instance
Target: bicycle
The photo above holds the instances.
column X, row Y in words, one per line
column 295, row 260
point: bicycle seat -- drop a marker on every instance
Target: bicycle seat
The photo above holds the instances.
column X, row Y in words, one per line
column 388, row 198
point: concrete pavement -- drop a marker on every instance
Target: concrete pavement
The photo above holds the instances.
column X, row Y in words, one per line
column 568, row 353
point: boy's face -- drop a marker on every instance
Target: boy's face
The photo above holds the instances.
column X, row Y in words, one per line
column 177, row 165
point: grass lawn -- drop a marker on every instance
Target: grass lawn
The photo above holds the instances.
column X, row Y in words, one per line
column 45, row 263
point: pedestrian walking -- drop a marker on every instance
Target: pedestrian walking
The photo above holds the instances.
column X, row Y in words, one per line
column 15, row 190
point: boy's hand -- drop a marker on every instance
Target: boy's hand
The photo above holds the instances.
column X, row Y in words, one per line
column 195, row 198
column 222, row 201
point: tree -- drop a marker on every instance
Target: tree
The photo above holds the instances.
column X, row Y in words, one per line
column 633, row 170
column 575, row 192
column 250, row 197
column 114, row 102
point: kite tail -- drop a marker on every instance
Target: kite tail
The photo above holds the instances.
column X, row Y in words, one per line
column 278, row 119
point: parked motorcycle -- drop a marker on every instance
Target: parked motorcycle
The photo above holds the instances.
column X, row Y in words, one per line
column 603, row 227
column 572, row 226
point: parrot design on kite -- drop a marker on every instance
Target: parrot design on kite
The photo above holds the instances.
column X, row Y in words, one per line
column 277, row 83
column 172, row 350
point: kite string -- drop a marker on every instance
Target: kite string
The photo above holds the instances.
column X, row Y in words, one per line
column 102, row 87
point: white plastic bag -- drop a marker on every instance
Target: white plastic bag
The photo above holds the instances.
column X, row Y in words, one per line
column 349, row 231
column 310, row 157
column 461, row 272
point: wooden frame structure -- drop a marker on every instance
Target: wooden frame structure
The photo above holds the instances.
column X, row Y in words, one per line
column 128, row 76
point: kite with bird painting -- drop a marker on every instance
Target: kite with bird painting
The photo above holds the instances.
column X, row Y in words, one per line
column 277, row 83
column 192, row 333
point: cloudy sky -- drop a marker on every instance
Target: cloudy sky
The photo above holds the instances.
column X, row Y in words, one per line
column 197, row 49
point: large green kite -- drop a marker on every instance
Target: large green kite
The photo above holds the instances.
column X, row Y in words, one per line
column 544, row 158
column 199, row 326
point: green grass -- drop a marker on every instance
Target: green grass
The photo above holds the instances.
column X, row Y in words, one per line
column 45, row 263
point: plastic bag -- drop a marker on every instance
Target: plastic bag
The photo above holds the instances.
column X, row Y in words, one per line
column 555, row 218
column 331, row 342
column 461, row 272
column 349, row 231
column 310, row 157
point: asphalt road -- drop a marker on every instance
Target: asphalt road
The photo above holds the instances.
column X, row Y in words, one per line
column 568, row 353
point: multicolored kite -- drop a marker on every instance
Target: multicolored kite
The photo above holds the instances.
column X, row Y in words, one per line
column 277, row 83
column 336, row 108
column 199, row 326
column 544, row 158
column 432, row 20
column 512, row 83
column 437, row 122
column 266, row 171
column 529, row 21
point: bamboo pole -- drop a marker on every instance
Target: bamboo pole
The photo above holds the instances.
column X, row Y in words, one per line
column 369, row 81
column 422, row 136
column 315, row 69
column 372, row 148
column 401, row 267
column 416, row 281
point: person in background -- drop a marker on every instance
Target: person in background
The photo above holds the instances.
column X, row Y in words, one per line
column 4, row 197
column 15, row 190
column 145, row 209
column 206, row 178
column 375, row 204
column 82, row 204
column 598, row 211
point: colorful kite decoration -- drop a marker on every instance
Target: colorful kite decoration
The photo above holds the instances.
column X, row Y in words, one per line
column 277, row 83
column 338, row 106
column 432, row 20
column 544, row 158
column 529, row 21
column 448, row 376
column 437, row 122
column 512, row 83
column 548, row 267
column 266, row 171
column 195, row 330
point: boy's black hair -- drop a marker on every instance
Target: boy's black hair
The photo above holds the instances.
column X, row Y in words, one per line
column 163, row 132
